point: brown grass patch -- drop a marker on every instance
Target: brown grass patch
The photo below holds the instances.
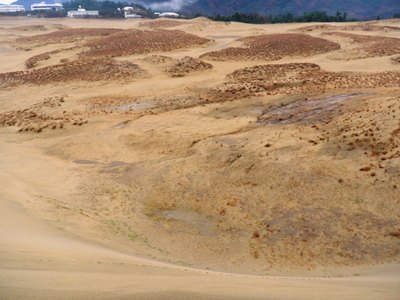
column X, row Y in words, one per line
column 296, row 78
column 319, row 27
column 274, row 47
column 158, row 59
column 354, row 27
column 87, row 69
column 369, row 46
column 135, row 41
column 47, row 114
column 368, row 27
column 32, row 61
column 66, row 36
column 160, row 24
column 396, row 59
column 187, row 65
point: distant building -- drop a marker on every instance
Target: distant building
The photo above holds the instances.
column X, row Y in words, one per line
column 11, row 8
column 132, row 16
column 131, row 13
column 83, row 13
column 43, row 6
column 169, row 15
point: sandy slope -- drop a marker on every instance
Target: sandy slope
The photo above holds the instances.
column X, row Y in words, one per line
column 39, row 261
column 90, row 211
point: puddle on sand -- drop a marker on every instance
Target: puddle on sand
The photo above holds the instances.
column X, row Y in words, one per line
column 131, row 106
column 115, row 166
column 202, row 223
column 304, row 111
column 85, row 162
column 122, row 124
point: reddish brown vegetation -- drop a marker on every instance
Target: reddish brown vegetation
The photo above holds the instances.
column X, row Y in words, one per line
column 296, row 78
column 368, row 27
column 274, row 47
column 187, row 65
column 80, row 70
column 135, row 41
column 370, row 46
column 160, row 24
column 396, row 59
column 316, row 27
column 355, row 27
column 372, row 131
column 32, row 61
column 66, row 36
column 40, row 116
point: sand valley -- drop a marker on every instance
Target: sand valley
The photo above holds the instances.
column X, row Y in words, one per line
column 192, row 159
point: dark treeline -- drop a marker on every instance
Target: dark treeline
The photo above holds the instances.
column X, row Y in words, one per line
column 315, row 16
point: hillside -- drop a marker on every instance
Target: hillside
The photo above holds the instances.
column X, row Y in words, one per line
column 362, row 9
column 355, row 8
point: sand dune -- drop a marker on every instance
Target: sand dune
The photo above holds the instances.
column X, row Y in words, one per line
column 164, row 173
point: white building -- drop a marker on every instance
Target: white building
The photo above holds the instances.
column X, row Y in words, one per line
column 43, row 6
column 11, row 8
column 169, row 15
column 83, row 13
column 129, row 13
column 132, row 16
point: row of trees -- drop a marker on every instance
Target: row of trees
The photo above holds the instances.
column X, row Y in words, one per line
column 316, row 16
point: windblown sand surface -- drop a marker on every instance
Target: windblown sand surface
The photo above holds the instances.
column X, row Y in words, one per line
column 202, row 161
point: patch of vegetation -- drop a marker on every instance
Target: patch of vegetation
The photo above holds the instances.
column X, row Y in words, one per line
column 123, row 229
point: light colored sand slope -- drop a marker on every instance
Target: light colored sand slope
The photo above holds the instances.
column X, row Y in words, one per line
column 176, row 183
column 39, row 261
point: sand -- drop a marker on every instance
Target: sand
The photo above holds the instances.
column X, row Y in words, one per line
column 198, row 179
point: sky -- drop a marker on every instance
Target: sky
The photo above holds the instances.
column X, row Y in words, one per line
column 7, row 1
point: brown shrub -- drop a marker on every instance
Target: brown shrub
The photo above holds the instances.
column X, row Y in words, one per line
column 354, row 27
column 66, row 36
column 87, row 69
column 187, row 65
column 160, row 24
column 296, row 78
column 396, row 59
column 39, row 116
column 32, row 61
column 370, row 46
column 274, row 47
column 135, row 41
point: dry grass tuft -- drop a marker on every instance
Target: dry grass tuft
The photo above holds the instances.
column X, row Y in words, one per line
column 187, row 65
column 135, row 41
column 273, row 47
column 369, row 46
column 86, row 69
column 66, row 36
